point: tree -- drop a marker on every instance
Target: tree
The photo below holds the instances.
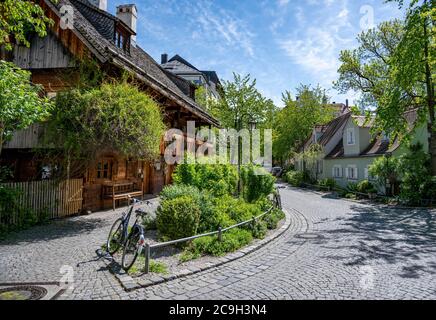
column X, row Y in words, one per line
column 18, row 19
column 394, row 69
column 294, row 123
column 115, row 117
column 20, row 101
column 242, row 101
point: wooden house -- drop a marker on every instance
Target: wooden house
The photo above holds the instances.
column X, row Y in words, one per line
column 84, row 30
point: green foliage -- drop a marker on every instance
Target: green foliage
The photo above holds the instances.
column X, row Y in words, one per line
column 14, row 215
column 19, row 19
column 257, row 183
column 218, row 179
column 383, row 169
column 208, row 218
column 158, row 267
column 149, row 223
column 242, row 100
column 273, row 218
column 294, row 123
column 310, row 158
column 260, row 229
column 232, row 240
column 296, row 178
column 352, row 187
column 328, row 183
column 394, row 69
column 415, row 175
column 20, row 101
column 113, row 116
column 178, row 218
column 365, row 186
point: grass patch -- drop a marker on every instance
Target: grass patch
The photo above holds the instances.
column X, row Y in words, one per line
column 155, row 267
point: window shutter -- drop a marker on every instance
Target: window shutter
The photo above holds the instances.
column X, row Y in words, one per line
column 356, row 170
column 347, row 172
column 366, row 174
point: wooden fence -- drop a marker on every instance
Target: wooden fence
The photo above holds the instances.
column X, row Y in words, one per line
column 56, row 199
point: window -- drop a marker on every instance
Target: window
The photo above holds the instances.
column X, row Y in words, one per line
column 350, row 137
column 352, row 173
column 319, row 167
column 337, row 172
column 104, row 169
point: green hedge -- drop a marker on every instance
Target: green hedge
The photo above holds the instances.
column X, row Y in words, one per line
column 178, row 218
column 218, row 179
column 257, row 183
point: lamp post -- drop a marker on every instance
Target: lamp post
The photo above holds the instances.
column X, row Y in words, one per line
column 388, row 174
column 238, row 124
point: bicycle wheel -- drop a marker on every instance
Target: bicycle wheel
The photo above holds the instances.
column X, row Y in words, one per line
column 115, row 238
column 130, row 252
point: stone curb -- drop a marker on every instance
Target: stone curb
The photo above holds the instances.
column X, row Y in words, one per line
column 129, row 284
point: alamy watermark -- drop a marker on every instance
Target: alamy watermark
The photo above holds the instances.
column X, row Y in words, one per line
column 226, row 146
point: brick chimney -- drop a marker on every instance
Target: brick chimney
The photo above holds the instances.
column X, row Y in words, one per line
column 128, row 14
column 101, row 4
column 164, row 58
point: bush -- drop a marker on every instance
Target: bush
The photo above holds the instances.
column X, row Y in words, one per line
column 273, row 218
column 257, row 183
column 352, row 187
column 415, row 176
column 295, row 178
column 14, row 216
column 218, row 179
column 178, row 218
column 203, row 199
column 232, row 240
column 365, row 187
column 260, row 229
column 328, row 183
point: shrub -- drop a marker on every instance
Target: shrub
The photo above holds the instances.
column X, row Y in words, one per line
column 232, row 240
column 14, row 216
column 257, row 183
column 365, row 187
column 203, row 200
column 218, row 179
column 179, row 190
column 415, row 176
column 149, row 223
column 178, row 218
column 273, row 218
column 260, row 229
column 352, row 187
column 295, row 178
column 328, row 183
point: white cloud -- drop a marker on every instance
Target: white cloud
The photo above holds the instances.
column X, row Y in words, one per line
column 316, row 49
column 221, row 24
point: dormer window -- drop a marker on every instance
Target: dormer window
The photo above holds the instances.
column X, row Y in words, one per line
column 351, row 139
column 122, row 41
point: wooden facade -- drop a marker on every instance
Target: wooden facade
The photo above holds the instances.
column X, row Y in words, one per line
column 53, row 62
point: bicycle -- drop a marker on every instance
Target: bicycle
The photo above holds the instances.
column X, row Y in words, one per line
column 119, row 231
column 135, row 242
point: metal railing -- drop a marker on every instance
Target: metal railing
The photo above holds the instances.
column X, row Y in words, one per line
column 219, row 232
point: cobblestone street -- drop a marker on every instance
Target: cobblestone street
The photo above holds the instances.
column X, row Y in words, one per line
column 334, row 249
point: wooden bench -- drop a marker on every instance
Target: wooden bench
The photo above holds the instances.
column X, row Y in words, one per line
column 122, row 191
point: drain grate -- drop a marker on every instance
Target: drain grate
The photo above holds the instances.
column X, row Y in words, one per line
column 23, row 293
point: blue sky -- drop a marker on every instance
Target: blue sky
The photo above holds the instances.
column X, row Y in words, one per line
column 281, row 43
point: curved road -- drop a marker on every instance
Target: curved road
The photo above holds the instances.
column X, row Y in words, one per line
column 334, row 249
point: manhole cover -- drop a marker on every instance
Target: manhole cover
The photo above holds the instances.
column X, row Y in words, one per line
column 309, row 236
column 22, row 293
